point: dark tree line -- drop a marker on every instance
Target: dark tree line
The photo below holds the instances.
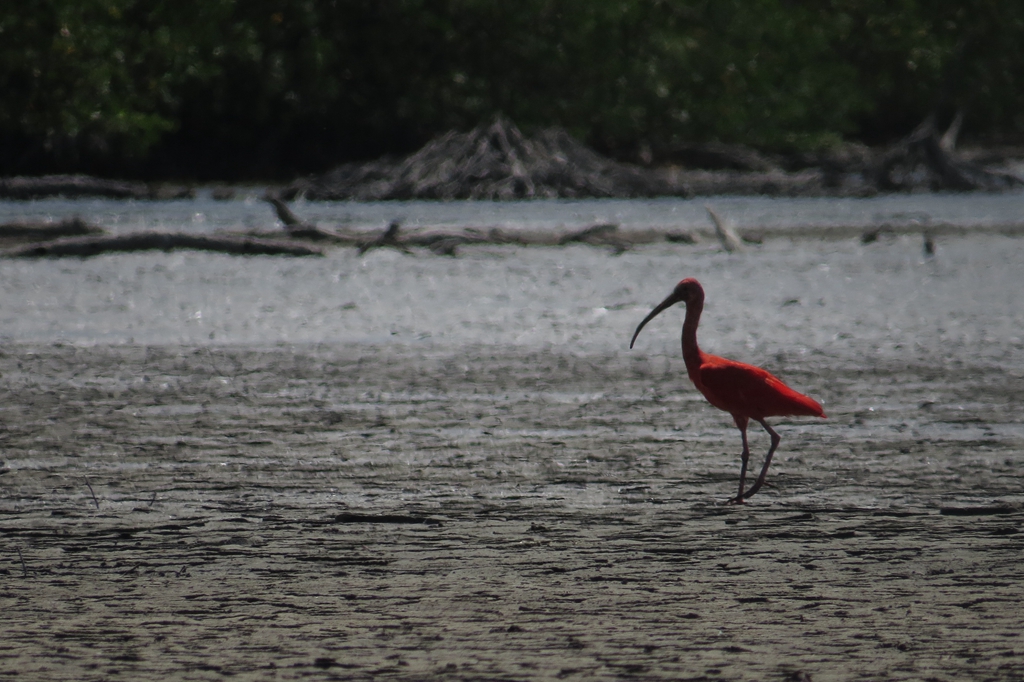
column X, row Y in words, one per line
column 237, row 89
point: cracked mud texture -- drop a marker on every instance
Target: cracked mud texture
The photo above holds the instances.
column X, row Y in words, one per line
column 466, row 510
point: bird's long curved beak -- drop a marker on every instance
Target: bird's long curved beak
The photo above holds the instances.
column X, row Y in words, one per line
column 667, row 303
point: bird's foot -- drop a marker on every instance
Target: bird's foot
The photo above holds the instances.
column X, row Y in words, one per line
column 750, row 491
column 735, row 500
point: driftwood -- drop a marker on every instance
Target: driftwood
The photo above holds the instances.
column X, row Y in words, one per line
column 84, row 247
column 297, row 229
column 448, row 246
column 444, row 244
column 388, row 238
column 871, row 235
column 36, row 232
column 604, row 234
column 284, row 213
column 86, row 186
column 440, row 243
column 446, row 241
column 730, row 242
column 926, row 159
column 493, row 161
column 590, row 234
column 681, row 237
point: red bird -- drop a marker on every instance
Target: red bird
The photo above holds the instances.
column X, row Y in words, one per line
column 744, row 391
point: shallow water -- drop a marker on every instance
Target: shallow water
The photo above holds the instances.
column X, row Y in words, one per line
column 248, row 212
column 791, row 296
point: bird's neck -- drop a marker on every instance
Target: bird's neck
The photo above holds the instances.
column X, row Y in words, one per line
column 691, row 351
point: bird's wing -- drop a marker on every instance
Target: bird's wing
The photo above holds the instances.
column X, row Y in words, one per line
column 750, row 391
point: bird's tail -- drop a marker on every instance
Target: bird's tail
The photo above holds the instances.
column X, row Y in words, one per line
column 798, row 404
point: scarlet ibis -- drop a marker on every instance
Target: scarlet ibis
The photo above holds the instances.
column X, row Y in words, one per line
column 744, row 391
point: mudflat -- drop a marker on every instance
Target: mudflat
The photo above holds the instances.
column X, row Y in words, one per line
column 501, row 512
column 412, row 467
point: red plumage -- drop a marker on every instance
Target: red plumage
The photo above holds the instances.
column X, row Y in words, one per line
column 750, row 391
column 744, row 391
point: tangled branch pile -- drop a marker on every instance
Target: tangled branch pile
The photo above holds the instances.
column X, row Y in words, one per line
column 926, row 159
column 493, row 161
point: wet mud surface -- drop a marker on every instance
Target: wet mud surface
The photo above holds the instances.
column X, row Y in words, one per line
column 493, row 512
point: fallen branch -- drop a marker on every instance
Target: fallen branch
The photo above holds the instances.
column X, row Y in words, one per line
column 94, row 246
column 446, row 244
column 284, row 213
column 872, row 234
column 752, row 237
column 389, row 238
column 296, row 228
column 680, row 237
column 605, row 234
column 730, row 242
column 590, row 234
column 45, row 231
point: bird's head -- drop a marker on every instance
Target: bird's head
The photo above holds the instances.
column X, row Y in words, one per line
column 688, row 291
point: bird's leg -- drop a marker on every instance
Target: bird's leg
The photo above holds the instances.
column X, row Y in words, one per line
column 741, row 424
column 744, row 459
column 767, row 461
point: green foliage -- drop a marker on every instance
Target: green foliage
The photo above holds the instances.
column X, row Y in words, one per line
column 259, row 88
